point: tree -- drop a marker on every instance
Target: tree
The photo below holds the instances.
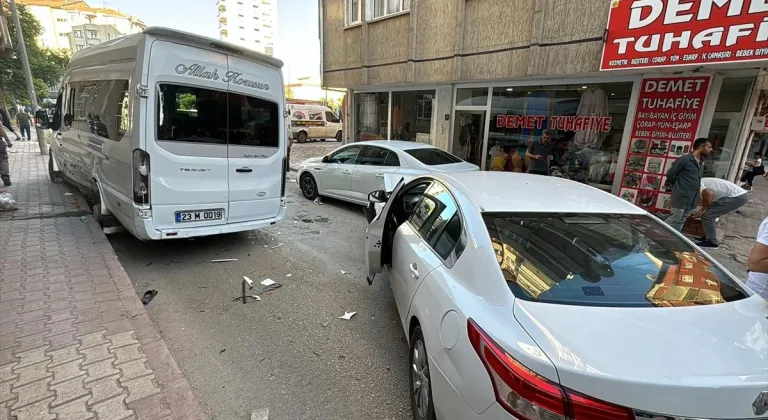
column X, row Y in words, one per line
column 288, row 92
column 46, row 65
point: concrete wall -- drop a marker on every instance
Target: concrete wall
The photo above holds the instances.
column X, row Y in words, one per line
column 462, row 40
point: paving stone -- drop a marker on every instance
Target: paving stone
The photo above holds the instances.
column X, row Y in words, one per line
column 64, row 355
column 31, row 342
column 92, row 339
column 74, row 410
column 38, row 410
column 31, row 393
column 70, row 390
column 153, row 407
column 96, row 354
column 122, row 339
column 67, row 371
column 133, row 370
column 100, row 370
column 6, row 372
column 6, row 394
column 63, row 340
column 113, row 409
column 30, row 357
column 31, row 373
column 104, row 389
column 140, row 388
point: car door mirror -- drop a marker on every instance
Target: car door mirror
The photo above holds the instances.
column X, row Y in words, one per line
column 41, row 119
column 326, row 159
column 378, row 196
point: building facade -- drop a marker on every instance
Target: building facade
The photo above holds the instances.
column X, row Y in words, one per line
column 251, row 24
column 484, row 79
column 61, row 18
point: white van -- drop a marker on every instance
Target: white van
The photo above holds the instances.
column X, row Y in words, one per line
column 173, row 135
column 310, row 122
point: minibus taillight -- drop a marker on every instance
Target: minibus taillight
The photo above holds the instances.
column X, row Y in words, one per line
column 141, row 177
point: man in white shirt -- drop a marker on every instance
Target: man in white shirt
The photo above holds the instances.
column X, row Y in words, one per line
column 718, row 198
column 757, row 264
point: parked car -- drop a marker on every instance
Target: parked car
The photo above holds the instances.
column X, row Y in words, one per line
column 531, row 297
column 314, row 122
column 351, row 172
column 173, row 135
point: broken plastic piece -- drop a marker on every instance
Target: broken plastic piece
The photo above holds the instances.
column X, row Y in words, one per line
column 267, row 282
column 224, row 260
column 343, row 272
column 271, row 287
column 347, row 315
column 288, row 275
column 68, row 194
column 148, row 296
column 249, row 281
column 318, row 200
column 277, row 246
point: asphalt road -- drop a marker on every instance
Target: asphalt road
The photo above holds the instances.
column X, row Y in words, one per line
column 288, row 353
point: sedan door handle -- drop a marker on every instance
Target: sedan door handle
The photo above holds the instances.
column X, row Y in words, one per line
column 241, row 170
column 379, row 175
column 414, row 271
column 318, row 169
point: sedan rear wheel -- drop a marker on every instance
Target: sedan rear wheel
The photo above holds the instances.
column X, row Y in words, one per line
column 421, row 384
column 308, row 186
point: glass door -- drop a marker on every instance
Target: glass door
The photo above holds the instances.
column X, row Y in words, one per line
column 723, row 134
column 468, row 136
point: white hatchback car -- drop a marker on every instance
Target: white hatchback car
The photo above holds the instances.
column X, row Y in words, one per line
column 351, row 172
column 530, row 297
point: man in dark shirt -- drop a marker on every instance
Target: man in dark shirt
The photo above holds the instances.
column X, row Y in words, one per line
column 538, row 154
column 685, row 176
column 22, row 118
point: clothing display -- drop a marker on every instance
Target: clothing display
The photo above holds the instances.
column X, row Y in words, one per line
column 536, row 103
column 593, row 103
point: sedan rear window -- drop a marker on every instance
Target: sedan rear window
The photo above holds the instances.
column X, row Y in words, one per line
column 611, row 260
column 433, row 157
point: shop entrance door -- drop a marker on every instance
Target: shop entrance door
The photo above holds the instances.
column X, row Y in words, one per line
column 723, row 134
column 468, row 134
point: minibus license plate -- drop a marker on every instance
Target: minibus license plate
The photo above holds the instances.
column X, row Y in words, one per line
column 197, row 216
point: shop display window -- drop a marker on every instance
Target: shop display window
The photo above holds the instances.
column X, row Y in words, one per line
column 371, row 111
column 412, row 115
column 572, row 132
column 724, row 130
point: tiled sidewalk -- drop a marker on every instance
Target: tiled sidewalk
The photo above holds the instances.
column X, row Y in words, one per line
column 75, row 340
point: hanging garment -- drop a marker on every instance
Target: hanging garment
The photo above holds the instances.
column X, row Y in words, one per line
column 593, row 103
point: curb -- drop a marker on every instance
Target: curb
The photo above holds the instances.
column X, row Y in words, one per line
column 175, row 388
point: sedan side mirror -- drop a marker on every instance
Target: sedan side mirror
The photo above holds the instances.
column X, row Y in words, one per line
column 326, row 159
column 378, row 196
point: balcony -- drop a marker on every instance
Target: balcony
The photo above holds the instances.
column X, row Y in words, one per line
column 223, row 33
column 223, row 20
column 222, row 8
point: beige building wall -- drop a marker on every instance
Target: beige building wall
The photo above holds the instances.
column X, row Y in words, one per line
column 462, row 40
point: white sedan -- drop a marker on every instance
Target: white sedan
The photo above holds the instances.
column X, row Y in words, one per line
column 531, row 297
column 351, row 172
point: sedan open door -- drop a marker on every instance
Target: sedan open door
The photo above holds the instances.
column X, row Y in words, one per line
column 379, row 205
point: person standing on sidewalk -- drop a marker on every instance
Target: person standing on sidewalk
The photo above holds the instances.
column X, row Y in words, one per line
column 5, row 170
column 755, row 168
column 685, row 176
column 757, row 263
column 718, row 198
column 6, row 119
column 25, row 125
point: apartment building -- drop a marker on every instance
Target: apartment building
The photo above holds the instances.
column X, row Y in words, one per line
column 61, row 19
column 251, row 24
column 622, row 87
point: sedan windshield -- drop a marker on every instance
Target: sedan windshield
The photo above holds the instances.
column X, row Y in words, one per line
column 604, row 260
column 433, row 157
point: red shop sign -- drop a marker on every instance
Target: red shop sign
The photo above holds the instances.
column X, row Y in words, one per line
column 664, row 127
column 661, row 33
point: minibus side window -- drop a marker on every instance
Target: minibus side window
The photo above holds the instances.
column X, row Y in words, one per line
column 253, row 121
column 191, row 114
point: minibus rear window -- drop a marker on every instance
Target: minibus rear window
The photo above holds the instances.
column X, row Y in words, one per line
column 200, row 115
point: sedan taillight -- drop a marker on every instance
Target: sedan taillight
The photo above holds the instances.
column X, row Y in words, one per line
column 529, row 396
column 140, row 177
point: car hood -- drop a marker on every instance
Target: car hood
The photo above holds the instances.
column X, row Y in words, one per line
column 659, row 360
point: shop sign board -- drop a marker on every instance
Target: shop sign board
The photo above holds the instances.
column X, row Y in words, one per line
column 591, row 123
column 760, row 124
column 664, row 127
column 662, row 33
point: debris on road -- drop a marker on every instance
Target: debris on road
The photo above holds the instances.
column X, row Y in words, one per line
column 318, row 201
column 83, row 219
column 262, row 414
column 271, row 287
column 224, row 260
column 278, row 245
column 222, row 351
column 267, row 282
column 68, row 194
column 343, row 272
column 7, row 203
column 249, row 281
column 149, row 263
column 148, row 296
column 325, row 324
column 289, row 275
column 347, row 315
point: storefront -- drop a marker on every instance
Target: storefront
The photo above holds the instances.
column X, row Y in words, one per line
column 395, row 115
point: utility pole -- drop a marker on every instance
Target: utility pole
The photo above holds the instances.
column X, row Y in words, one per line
column 28, row 73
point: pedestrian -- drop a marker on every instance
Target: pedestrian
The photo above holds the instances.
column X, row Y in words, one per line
column 718, row 198
column 6, row 120
column 405, row 132
column 685, row 177
column 5, row 170
column 757, row 263
column 754, row 168
column 22, row 118
column 539, row 153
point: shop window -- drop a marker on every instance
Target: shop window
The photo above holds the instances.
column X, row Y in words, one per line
column 412, row 115
column 572, row 132
column 352, row 11
column 371, row 111
column 472, row 97
column 724, row 130
column 381, row 8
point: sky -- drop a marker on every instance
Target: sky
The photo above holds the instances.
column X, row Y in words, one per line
column 297, row 42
